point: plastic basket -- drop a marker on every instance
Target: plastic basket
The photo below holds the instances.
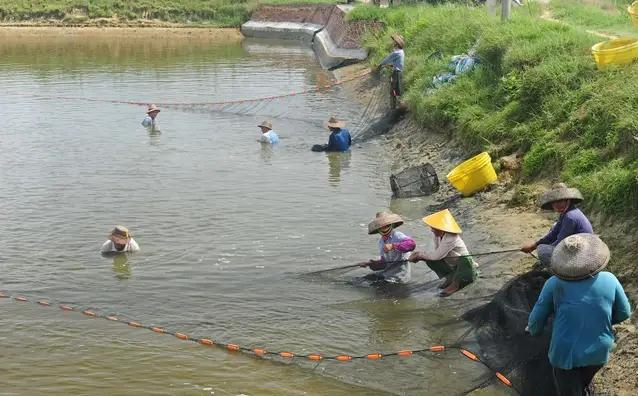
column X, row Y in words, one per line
column 473, row 175
column 620, row 51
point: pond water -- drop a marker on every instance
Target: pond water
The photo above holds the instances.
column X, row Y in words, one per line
column 227, row 227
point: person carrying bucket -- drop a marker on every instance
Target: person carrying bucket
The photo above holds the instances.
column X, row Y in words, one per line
column 450, row 259
column 397, row 60
column 394, row 249
column 149, row 121
column 267, row 134
column 571, row 221
column 585, row 302
column 120, row 240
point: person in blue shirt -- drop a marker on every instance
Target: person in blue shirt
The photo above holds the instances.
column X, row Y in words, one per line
column 571, row 221
column 267, row 134
column 339, row 139
column 397, row 60
column 585, row 303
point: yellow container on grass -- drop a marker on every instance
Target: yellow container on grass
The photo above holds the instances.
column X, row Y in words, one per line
column 633, row 11
column 619, row 51
column 473, row 175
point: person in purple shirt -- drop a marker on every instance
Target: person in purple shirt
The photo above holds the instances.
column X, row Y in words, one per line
column 394, row 249
column 571, row 221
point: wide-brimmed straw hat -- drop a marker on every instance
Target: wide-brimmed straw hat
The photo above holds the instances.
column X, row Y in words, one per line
column 120, row 232
column 579, row 256
column 443, row 221
column 333, row 122
column 397, row 38
column 383, row 219
column 559, row 192
column 266, row 124
column 152, row 108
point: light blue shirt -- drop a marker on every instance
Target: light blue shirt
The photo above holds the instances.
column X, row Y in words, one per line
column 584, row 312
column 269, row 137
column 396, row 59
column 148, row 122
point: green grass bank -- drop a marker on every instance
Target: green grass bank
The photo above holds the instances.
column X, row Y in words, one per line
column 218, row 13
column 537, row 92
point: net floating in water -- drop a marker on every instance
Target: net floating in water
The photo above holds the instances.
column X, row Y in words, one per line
column 414, row 182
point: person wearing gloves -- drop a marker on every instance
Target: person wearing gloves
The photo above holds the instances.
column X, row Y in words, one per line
column 585, row 302
column 394, row 248
column 450, row 259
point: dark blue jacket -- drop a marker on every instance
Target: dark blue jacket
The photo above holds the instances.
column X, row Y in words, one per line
column 339, row 140
column 573, row 221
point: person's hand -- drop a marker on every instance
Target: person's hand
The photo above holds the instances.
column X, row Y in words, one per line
column 527, row 330
column 528, row 248
column 414, row 257
column 388, row 247
column 365, row 263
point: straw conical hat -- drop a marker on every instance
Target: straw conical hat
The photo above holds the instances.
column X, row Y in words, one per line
column 333, row 122
column 266, row 124
column 397, row 38
column 559, row 192
column 121, row 233
column 443, row 221
column 152, row 108
column 579, row 256
column 383, row 219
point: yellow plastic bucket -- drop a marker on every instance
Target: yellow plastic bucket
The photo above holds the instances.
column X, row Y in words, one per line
column 633, row 11
column 473, row 175
column 620, row 51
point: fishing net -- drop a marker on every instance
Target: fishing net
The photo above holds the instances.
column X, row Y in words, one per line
column 498, row 328
column 415, row 181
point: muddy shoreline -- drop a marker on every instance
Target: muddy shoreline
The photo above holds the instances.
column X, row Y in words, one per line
column 511, row 225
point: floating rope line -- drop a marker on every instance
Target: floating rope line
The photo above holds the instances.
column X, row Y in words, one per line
column 261, row 352
column 217, row 103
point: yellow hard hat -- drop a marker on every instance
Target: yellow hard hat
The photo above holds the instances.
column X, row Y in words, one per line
column 443, row 221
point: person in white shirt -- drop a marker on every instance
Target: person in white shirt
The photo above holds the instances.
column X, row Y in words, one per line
column 450, row 259
column 149, row 121
column 267, row 134
column 120, row 240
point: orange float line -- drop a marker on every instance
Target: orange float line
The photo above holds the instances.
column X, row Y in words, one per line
column 181, row 336
column 20, row 298
column 343, row 358
column 157, row 330
column 134, row 324
column 44, row 303
column 88, row 312
column 315, row 357
column 287, row 355
column 437, row 348
column 374, row 356
column 206, row 341
column 2, row 295
column 503, row 379
column 233, row 347
column 259, row 351
column 469, row 355
column 404, row 353
column 66, row 308
column 111, row 318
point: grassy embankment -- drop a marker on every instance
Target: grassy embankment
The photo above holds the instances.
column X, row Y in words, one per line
column 218, row 13
column 537, row 92
column 605, row 16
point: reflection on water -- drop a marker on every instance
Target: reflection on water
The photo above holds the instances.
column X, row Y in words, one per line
column 121, row 266
column 154, row 137
column 266, row 152
column 336, row 163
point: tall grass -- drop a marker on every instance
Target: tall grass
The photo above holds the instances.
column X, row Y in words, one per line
column 537, row 90
column 230, row 13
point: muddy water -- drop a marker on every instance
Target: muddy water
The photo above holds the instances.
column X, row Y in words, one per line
column 226, row 226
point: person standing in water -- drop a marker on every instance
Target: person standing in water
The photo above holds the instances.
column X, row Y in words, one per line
column 120, row 240
column 394, row 249
column 339, row 139
column 397, row 60
column 585, row 303
column 450, row 259
column 149, row 121
column 571, row 221
column 267, row 134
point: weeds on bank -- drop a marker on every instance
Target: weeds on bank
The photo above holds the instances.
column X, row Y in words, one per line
column 604, row 15
column 537, row 90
